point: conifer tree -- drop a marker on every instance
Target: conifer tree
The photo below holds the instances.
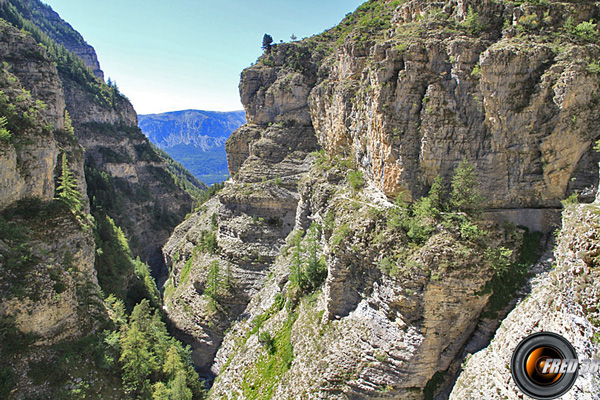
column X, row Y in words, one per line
column 266, row 43
column 173, row 363
column 137, row 360
column 179, row 389
column 69, row 124
column 161, row 392
column 213, row 281
column 465, row 196
column 67, row 190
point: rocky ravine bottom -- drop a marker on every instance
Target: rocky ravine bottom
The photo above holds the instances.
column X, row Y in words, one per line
column 564, row 301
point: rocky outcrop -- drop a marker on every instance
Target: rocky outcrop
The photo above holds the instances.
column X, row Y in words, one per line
column 562, row 300
column 48, row 286
column 397, row 94
column 142, row 195
column 414, row 105
column 60, row 31
column 34, row 104
column 28, row 171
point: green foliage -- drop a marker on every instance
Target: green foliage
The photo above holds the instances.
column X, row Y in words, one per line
column 19, row 113
column 472, row 22
column 510, row 277
column 267, row 341
column 153, row 364
column 340, row 234
column 214, row 281
column 571, row 200
column 208, row 242
column 527, row 23
column 67, row 190
column 185, row 271
column 593, row 67
column 119, row 273
column 5, row 135
column 476, row 72
column 586, row 30
column 356, row 180
column 308, row 269
column 69, row 130
column 137, row 361
column 261, row 380
column 465, row 196
column 7, row 380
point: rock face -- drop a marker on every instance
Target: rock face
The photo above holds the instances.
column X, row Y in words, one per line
column 48, row 286
column 563, row 301
column 29, row 160
column 146, row 201
column 45, row 18
column 397, row 94
column 28, row 171
column 412, row 106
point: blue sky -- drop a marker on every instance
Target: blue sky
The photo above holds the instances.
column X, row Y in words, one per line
column 186, row 54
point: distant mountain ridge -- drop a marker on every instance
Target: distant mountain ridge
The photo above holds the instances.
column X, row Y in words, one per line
column 194, row 138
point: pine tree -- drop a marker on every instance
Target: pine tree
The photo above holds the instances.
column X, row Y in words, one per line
column 179, row 389
column 69, row 124
column 293, row 37
column 266, row 43
column 438, row 194
column 67, row 190
column 137, row 360
column 173, row 363
column 161, row 392
column 465, row 196
column 213, row 281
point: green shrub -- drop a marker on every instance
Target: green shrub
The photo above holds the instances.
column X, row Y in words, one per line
column 472, row 22
column 571, row 200
column 594, row 67
column 356, row 180
column 267, row 341
column 586, row 30
column 5, row 135
column 308, row 269
column 465, row 195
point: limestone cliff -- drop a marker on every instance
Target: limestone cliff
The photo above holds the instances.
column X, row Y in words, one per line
column 49, row 22
column 145, row 199
column 397, row 94
column 48, row 286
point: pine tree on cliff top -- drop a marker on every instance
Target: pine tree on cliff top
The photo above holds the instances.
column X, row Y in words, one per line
column 266, row 43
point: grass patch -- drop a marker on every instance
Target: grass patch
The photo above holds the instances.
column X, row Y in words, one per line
column 261, row 381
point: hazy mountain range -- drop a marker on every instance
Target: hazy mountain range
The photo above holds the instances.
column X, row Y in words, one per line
column 195, row 138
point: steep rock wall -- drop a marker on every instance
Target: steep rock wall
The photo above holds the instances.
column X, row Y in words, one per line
column 398, row 93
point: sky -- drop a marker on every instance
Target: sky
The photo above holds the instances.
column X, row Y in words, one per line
column 188, row 54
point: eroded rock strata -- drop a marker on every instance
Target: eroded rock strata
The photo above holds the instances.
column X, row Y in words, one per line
column 340, row 125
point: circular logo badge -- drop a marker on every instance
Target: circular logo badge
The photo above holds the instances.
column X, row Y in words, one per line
column 544, row 365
